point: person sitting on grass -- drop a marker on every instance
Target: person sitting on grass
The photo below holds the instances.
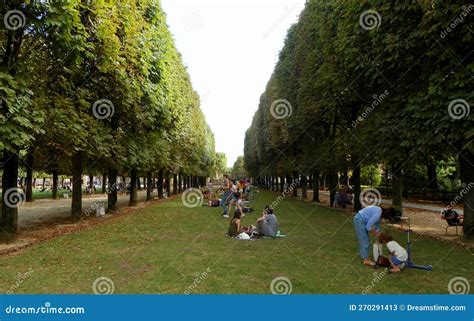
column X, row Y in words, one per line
column 267, row 224
column 213, row 203
column 234, row 227
column 398, row 255
column 368, row 220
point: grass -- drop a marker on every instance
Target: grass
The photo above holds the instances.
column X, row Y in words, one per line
column 166, row 248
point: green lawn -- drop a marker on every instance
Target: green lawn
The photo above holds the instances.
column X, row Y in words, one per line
column 166, row 249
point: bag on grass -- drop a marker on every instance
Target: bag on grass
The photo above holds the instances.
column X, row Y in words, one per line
column 243, row 236
column 383, row 261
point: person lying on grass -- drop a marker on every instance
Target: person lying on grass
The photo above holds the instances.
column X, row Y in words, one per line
column 398, row 255
column 368, row 220
column 213, row 203
column 267, row 224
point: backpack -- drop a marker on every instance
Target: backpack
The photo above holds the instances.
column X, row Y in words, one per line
column 383, row 261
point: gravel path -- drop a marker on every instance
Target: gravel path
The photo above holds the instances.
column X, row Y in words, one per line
column 31, row 214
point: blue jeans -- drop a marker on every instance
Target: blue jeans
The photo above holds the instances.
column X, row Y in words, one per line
column 223, row 201
column 363, row 236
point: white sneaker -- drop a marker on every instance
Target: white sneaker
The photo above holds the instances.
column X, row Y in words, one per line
column 226, row 216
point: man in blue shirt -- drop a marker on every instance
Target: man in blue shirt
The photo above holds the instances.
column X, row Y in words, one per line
column 368, row 220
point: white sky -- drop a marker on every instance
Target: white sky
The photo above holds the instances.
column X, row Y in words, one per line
column 230, row 48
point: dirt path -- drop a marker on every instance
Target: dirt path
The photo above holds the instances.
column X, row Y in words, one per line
column 424, row 218
column 40, row 211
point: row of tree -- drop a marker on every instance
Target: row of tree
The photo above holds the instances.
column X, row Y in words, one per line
column 361, row 83
column 96, row 87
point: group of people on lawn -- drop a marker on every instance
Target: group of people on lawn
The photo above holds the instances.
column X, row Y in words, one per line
column 236, row 194
column 366, row 221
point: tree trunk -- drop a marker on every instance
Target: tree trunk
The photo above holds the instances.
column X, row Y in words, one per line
column 76, row 207
column 91, row 184
column 432, row 177
column 112, row 190
column 11, row 198
column 196, row 184
column 304, row 187
column 149, row 186
column 168, row 186
column 180, row 182
column 44, row 183
column 296, row 183
column 175, row 184
column 357, row 189
column 405, row 185
column 282, row 184
column 316, row 186
column 29, row 176
column 55, row 184
column 133, row 188
column 104, row 183
column 159, row 184
column 466, row 159
column 397, row 187
column 332, row 181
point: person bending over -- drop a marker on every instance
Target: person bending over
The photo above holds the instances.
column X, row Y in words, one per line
column 368, row 220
